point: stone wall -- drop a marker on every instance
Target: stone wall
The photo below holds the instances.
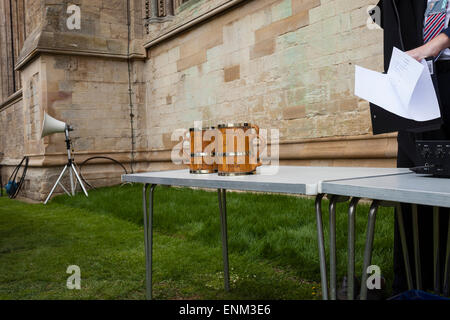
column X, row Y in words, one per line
column 91, row 93
column 11, row 37
column 33, row 15
column 81, row 77
column 285, row 64
column 11, row 124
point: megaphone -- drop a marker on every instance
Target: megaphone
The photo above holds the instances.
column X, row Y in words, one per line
column 51, row 125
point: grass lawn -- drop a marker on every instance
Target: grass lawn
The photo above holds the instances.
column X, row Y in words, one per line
column 272, row 246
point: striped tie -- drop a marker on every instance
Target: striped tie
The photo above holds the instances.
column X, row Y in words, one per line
column 434, row 24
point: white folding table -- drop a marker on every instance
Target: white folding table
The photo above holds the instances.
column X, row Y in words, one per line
column 391, row 191
column 288, row 179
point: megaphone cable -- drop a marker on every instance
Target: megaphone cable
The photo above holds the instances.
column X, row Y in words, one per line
column 89, row 159
column 98, row 157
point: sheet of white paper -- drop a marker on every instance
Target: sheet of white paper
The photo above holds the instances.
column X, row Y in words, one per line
column 424, row 103
column 390, row 91
column 404, row 73
column 376, row 88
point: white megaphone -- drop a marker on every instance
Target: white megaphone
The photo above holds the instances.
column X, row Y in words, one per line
column 51, row 125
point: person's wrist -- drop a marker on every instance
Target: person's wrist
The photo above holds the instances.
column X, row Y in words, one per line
column 445, row 40
column 431, row 49
column 434, row 49
column 438, row 44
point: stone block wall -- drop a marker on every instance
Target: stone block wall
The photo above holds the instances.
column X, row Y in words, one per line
column 285, row 64
column 80, row 77
column 33, row 15
column 11, row 124
column 91, row 94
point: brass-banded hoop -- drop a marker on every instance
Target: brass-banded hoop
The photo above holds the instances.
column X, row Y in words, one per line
column 235, row 158
column 235, row 125
column 203, row 154
column 202, row 161
column 202, row 171
column 233, row 154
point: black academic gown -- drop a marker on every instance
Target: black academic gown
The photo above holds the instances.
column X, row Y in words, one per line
column 412, row 13
column 411, row 16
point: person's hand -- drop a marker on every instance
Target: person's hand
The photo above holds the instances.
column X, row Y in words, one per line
column 422, row 52
column 430, row 49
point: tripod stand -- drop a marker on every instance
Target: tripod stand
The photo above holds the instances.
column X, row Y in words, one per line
column 72, row 170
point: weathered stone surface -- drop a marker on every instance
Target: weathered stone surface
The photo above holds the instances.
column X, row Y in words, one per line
column 232, row 73
column 296, row 61
column 263, row 48
column 283, row 26
column 192, row 60
column 296, row 112
column 282, row 64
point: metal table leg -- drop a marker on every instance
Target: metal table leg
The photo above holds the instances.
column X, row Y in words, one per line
column 144, row 209
column 447, row 265
column 321, row 242
column 332, row 211
column 369, row 243
column 401, row 227
column 369, row 246
column 416, row 247
column 223, row 224
column 333, row 261
column 351, row 248
column 436, row 269
column 148, row 236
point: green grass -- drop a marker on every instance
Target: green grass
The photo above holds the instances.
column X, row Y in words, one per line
column 272, row 246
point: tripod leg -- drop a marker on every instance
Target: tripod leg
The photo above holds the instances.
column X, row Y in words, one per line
column 56, row 183
column 72, row 189
column 76, row 183
column 65, row 190
column 79, row 180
